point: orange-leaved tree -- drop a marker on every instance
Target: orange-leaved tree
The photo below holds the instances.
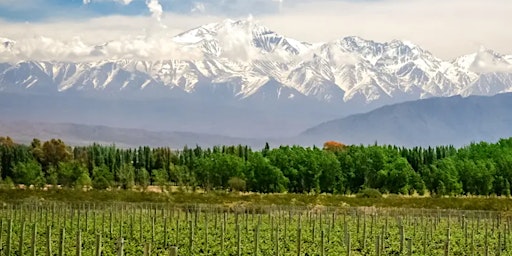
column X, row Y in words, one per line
column 334, row 146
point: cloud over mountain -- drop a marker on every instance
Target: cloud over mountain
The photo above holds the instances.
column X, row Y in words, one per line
column 447, row 28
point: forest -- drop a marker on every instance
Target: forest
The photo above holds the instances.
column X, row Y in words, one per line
column 476, row 169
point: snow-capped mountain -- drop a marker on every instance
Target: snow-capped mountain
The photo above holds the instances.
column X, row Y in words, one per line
column 242, row 60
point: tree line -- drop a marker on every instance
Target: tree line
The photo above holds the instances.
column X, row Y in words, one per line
column 477, row 169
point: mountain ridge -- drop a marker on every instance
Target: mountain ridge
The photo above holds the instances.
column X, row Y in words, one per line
column 453, row 120
column 80, row 135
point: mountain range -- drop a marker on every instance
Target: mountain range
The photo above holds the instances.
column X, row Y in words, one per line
column 243, row 57
column 82, row 135
column 238, row 78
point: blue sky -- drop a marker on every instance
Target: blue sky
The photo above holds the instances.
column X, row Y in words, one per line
column 41, row 10
column 447, row 28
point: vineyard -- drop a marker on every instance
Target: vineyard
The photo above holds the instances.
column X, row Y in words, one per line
column 163, row 229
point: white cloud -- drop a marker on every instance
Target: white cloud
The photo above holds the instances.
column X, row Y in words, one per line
column 155, row 8
column 487, row 61
column 126, row 37
column 234, row 41
column 448, row 28
column 280, row 2
column 198, row 8
column 139, row 48
column 125, row 2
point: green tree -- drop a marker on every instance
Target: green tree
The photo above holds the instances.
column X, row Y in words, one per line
column 446, row 177
column 7, row 157
column 400, row 176
column 264, row 177
column 142, row 178
column 350, row 181
column 83, row 181
column 29, row 173
column 216, row 170
column 37, row 150
column 126, row 175
column 69, row 172
column 102, row 177
column 160, row 178
column 55, row 151
column 332, row 179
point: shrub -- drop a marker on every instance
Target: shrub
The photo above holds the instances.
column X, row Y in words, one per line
column 236, row 184
column 369, row 193
column 100, row 183
column 8, row 183
column 84, row 181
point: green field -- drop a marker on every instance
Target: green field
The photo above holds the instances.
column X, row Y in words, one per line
column 34, row 228
column 481, row 203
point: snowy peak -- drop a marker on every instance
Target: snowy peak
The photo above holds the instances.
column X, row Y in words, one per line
column 401, row 51
column 465, row 61
column 230, row 36
column 214, row 31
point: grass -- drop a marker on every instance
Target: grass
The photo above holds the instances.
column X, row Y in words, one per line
column 255, row 200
